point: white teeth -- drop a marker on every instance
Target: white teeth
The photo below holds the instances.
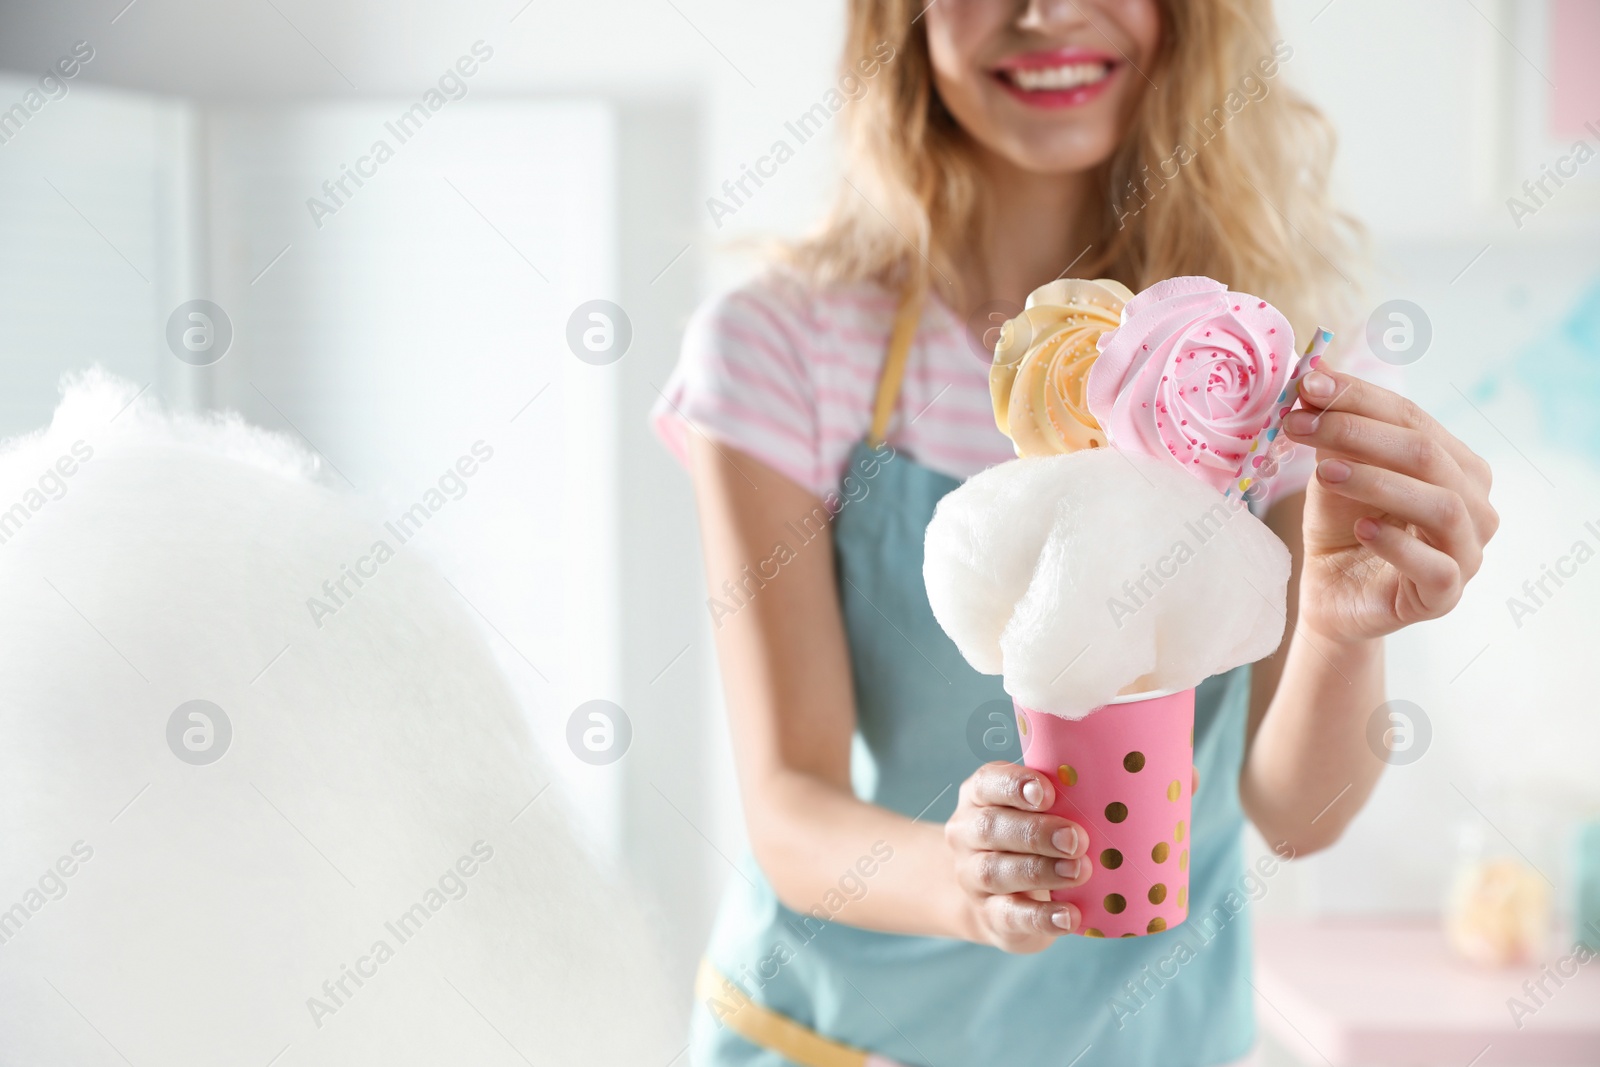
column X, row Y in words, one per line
column 1034, row 79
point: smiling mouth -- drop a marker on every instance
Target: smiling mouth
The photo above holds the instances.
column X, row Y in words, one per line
column 1066, row 77
column 1055, row 79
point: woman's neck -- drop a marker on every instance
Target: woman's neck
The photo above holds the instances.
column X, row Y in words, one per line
column 1036, row 223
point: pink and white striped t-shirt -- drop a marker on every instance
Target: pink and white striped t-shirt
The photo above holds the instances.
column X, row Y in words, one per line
column 787, row 373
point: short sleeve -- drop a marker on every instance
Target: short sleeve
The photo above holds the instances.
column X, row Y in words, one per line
column 1352, row 358
column 742, row 381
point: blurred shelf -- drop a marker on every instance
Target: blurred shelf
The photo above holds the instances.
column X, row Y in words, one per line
column 1374, row 992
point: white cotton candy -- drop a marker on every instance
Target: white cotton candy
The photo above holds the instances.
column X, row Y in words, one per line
column 1084, row 576
column 975, row 568
column 376, row 787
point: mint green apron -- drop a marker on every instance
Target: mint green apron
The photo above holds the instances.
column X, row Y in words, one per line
column 1175, row 998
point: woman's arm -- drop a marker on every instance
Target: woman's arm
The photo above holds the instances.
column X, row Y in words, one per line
column 1389, row 532
column 786, row 672
column 1307, row 767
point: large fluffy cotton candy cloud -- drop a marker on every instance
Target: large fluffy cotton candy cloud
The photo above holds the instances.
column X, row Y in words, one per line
column 374, row 792
column 1083, row 576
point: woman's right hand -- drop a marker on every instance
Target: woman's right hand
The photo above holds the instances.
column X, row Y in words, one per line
column 1009, row 852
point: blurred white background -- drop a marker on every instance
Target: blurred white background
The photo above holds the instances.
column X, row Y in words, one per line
column 431, row 310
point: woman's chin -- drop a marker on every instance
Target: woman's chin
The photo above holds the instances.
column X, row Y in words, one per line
column 1055, row 152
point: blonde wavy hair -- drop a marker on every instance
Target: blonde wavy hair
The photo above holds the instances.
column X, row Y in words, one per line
column 1249, row 205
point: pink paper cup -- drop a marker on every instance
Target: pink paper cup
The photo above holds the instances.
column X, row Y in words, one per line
column 1125, row 773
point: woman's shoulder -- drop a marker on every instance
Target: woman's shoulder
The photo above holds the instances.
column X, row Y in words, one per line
column 780, row 305
column 781, row 367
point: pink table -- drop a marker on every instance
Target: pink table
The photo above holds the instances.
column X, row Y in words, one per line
column 1375, row 992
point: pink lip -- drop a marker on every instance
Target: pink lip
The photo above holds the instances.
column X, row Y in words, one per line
column 1057, row 57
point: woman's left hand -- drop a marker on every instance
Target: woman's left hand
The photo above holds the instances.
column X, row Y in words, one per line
column 1396, row 517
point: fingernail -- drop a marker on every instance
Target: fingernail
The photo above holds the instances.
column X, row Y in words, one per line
column 1033, row 792
column 1318, row 385
column 1068, row 868
column 1333, row 470
column 1300, row 423
column 1066, row 839
column 1063, row 919
column 1366, row 529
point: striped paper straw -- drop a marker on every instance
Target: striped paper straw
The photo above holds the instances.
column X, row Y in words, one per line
column 1263, row 448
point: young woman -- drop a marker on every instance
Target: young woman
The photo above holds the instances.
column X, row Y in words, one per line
column 895, row 908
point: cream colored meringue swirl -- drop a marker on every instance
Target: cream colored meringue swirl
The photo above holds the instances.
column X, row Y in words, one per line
column 1041, row 365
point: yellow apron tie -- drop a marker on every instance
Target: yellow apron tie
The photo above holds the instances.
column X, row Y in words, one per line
column 894, row 364
column 765, row 1028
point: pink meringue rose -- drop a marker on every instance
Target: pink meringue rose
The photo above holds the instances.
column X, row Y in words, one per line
column 1191, row 375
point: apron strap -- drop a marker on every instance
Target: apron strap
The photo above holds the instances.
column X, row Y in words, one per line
column 894, row 364
column 765, row 1028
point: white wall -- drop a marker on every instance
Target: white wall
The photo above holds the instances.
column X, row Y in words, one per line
column 751, row 66
column 86, row 214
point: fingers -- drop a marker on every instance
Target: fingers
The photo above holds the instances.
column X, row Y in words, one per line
column 1329, row 390
column 1414, row 453
column 1005, row 830
column 1008, row 785
column 1009, row 872
column 1435, row 575
column 1014, row 917
column 1010, row 852
column 1442, row 514
column 1375, row 441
